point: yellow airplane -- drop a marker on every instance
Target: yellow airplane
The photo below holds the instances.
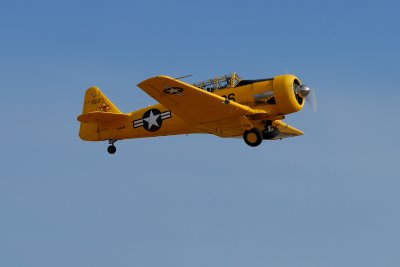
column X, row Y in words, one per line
column 226, row 106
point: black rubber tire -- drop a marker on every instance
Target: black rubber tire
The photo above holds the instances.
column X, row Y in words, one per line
column 271, row 134
column 111, row 149
column 257, row 134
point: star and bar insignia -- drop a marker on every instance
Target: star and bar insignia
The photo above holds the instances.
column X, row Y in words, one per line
column 152, row 120
column 173, row 90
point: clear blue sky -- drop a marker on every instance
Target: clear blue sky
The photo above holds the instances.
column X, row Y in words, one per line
column 328, row 198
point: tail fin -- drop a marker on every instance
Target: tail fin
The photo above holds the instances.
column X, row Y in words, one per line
column 94, row 100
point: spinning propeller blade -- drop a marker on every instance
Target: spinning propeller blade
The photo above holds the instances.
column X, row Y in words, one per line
column 312, row 100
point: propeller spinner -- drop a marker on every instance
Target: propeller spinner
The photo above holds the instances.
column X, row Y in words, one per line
column 305, row 92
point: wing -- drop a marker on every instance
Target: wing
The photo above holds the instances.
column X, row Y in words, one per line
column 195, row 106
column 98, row 117
column 192, row 104
column 285, row 130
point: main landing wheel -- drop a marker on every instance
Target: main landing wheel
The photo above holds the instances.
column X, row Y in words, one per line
column 111, row 149
column 253, row 137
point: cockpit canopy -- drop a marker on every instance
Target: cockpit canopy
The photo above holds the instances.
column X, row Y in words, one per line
column 218, row 83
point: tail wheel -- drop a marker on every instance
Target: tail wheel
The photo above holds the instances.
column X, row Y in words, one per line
column 253, row 137
column 111, row 149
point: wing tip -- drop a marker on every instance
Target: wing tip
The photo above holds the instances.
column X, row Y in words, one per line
column 155, row 78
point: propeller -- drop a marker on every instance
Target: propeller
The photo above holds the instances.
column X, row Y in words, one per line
column 309, row 95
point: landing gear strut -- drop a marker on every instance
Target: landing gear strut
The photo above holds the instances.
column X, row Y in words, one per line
column 270, row 131
column 111, row 148
column 253, row 137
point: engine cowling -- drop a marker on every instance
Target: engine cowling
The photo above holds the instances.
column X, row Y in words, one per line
column 287, row 100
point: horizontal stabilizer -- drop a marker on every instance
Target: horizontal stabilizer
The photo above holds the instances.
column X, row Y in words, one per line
column 98, row 117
